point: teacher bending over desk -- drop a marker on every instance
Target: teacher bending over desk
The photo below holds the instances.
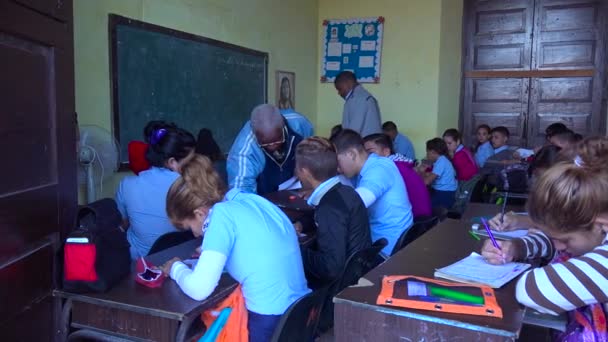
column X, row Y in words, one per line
column 244, row 233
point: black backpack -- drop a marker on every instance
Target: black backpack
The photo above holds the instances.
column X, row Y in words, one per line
column 96, row 254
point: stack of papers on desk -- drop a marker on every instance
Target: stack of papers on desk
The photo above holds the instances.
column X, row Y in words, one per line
column 291, row 184
column 475, row 270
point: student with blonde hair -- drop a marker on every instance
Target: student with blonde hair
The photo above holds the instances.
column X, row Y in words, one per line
column 245, row 234
column 568, row 203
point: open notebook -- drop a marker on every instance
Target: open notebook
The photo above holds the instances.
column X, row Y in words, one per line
column 475, row 270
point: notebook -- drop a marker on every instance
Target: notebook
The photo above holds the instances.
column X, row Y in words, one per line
column 475, row 270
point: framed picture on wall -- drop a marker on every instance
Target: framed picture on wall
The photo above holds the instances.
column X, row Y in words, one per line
column 286, row 89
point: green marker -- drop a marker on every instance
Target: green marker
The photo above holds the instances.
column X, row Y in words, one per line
column 455, row 295
column 474, row 236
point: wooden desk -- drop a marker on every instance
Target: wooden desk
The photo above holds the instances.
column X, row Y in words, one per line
column 296, row 208
column 133, row 311
column 358, row 318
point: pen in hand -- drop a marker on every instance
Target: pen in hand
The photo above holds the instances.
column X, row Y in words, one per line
column 489, row 231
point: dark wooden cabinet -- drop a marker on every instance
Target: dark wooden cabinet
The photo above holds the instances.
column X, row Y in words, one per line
column 529, row 63
column 38, row 195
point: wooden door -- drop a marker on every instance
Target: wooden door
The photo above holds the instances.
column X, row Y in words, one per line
column 529, row 63
column 38, row 185
column 497, row 36
column 569, row 42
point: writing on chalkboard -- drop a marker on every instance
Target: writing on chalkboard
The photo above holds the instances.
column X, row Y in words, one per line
column 193, row 81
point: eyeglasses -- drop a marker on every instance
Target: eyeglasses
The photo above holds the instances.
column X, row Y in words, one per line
column 276, row 142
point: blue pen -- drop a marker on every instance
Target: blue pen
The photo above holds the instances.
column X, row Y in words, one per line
column 494, row 243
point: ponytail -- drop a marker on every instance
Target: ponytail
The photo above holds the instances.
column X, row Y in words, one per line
column 572, row 194
column 199, row 186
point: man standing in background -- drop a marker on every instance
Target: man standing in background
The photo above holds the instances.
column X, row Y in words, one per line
column 361, row 111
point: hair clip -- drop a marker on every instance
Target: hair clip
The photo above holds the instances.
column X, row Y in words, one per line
column 578, row 161
column 157, row 135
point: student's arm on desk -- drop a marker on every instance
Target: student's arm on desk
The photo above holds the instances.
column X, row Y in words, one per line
column 565, row 286
column 533, row 246
column 199, row 283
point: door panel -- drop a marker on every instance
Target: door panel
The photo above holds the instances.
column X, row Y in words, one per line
column 498, row 102
column 569, row 34
column 498, row 35
column 59, row 9
column 568, row 100
column 38, row 195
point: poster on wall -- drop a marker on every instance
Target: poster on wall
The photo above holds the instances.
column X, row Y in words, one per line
column 352, row 45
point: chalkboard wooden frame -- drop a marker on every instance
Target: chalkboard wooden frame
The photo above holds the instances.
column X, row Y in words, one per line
column 115, row 20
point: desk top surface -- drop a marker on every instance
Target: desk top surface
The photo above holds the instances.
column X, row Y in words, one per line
column 289, row 200
column 445, row 244
column 168, row 300
column 165, row 301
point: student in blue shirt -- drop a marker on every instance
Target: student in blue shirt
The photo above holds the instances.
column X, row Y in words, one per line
column 484, row 149
column 380, row 185
column 265, row 146
column 401, row 144
column 442, row 178
column 142, row 199
column 245, row 234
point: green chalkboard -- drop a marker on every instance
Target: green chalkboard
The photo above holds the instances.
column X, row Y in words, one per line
column 196, row 82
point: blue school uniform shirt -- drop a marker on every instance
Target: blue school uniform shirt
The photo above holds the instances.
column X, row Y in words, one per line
column 262, row 250
column 484, row 152
column 391, row 213
column 446, row 175
column 246, row 160
column 142, row 199
column 404, row 146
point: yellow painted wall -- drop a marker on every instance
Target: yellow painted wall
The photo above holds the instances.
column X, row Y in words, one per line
column 420, row 86
column 286, row 29
column 420, row 67
column 450, row 65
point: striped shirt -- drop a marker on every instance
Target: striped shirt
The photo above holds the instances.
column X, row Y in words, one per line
column 563, row 286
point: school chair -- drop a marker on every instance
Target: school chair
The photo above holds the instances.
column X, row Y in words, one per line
column 463, row 197
column 169, row 240
column 299, row 323
column 421, row 225
column 91, row 335
column 356, row 266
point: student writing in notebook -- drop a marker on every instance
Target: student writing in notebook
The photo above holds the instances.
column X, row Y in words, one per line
column 340, row 215
column 570, row 207
column 245, row 234
column 380, row 186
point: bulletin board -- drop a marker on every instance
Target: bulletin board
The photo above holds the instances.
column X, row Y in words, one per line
column 352, row 45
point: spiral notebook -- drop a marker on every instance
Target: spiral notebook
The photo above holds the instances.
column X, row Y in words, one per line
column 475, row 270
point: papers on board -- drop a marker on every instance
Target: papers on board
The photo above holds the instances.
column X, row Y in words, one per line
column 475, row 270
column 291, row 184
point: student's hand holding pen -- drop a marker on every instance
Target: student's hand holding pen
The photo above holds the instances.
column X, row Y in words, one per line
column 504, row 223
column 496, row 256
column 510, row 221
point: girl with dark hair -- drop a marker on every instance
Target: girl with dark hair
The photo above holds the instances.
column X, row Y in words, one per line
column 462, row 159
column 137, row 149
column 142, row 199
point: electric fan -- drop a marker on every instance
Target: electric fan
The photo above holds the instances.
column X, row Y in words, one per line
column 97, row 158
